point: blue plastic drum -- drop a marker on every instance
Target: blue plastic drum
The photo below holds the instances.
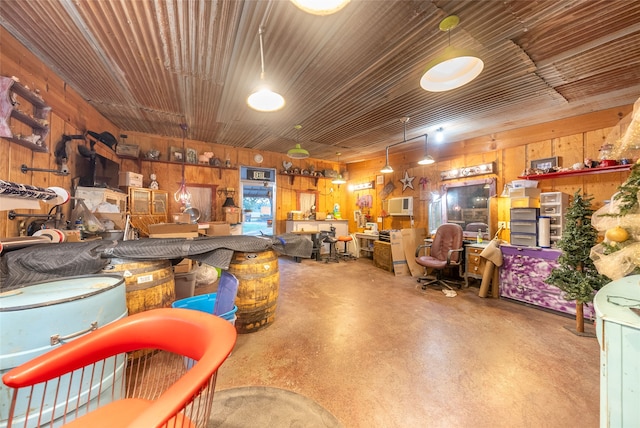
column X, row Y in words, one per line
column 39, row 317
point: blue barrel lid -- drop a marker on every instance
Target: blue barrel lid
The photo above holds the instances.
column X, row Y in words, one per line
column 57, row 291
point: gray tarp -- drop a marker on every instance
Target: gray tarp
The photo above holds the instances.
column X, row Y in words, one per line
column 46, row 262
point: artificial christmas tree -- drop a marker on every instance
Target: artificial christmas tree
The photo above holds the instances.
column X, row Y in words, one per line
column 577, row 276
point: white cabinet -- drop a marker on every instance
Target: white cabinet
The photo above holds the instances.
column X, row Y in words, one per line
column 618, row 331
column 554, row 205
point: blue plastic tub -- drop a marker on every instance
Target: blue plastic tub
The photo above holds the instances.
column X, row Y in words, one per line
column 204, row 303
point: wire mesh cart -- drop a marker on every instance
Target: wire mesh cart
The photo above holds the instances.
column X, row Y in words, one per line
column 153, row 369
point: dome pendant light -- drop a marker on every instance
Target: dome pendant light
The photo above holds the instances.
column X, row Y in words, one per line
column 427, row 160
column 298, row 152
column 453, row 67
column 264, row 99
column 320, row 7
column 387, row 168
column 339, row 179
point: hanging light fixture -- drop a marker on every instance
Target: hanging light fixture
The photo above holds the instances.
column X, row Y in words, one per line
column 182, row 195
column 339, row 179
column 453, row 67
column 387, row 168
column 320, row 7
column 427, row 160
column 298, row 152
column 264, row 99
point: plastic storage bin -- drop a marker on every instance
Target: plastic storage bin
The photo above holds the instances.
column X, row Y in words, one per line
column 185, row 284
column 205, row 303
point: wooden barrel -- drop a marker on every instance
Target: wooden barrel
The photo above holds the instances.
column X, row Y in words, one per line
column 258, row 285
column 149, row 283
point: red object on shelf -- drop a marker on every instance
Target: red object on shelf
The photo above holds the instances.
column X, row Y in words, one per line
column 586, row 171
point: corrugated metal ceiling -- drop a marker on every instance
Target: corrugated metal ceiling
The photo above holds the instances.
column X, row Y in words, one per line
column 148, row 65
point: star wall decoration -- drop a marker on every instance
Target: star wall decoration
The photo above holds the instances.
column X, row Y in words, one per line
column 407, row 181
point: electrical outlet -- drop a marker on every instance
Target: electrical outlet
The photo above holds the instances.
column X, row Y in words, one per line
column 502, row 224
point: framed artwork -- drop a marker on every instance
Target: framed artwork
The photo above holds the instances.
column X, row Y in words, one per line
column 544, row 164
column 192, row 156
column 379, row 179
column 176, row 154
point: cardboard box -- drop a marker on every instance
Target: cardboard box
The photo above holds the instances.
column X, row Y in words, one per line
column 520, row 192
column 321, row 216
column 411, row 239
column 218, row 228
column 183, row 267
column 181, row 218
column 231, row 215
column 400, row 267
column 173, row 230
column 128, row 150
column 131, row 179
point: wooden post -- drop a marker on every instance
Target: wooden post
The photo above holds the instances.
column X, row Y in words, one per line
column 579, row 317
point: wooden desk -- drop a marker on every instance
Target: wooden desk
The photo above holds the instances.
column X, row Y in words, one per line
column 474, row 264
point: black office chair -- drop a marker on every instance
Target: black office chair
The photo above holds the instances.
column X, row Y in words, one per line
column 445, row 251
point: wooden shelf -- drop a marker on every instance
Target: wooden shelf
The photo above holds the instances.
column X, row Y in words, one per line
column 292, row 177
column 37, row 120
column 586, row 171
column 219, row 168
column 28, row 144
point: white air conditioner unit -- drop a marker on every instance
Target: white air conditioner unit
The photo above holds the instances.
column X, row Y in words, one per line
column 400, row 206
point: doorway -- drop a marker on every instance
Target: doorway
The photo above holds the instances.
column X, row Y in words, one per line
column 258, row 200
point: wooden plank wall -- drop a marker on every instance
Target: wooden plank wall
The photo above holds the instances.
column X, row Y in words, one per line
column 512, row 153
column 73, row 115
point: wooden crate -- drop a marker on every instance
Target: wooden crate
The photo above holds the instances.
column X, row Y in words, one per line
column 382, row 255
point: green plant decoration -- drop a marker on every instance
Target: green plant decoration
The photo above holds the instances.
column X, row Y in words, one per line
column 576, row 276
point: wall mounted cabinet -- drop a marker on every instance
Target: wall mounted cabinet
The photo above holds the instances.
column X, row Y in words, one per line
column 19, row 105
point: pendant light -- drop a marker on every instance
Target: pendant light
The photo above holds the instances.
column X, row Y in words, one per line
column 427, row 160
column 339, row 179
column 453, row 67
column 298, row 152
column 182, row 195
column 264, row 99
column 387, row 168
column 320, row 7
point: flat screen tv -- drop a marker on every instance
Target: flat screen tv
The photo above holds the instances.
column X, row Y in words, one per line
column 97, row 171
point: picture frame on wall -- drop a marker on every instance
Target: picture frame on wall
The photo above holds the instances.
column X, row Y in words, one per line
column 191, row 156
column 545, row 164
column 176, row 154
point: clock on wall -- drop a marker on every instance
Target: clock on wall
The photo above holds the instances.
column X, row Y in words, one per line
column 258, row 158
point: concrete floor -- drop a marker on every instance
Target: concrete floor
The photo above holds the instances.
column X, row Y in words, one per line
column 377, row 352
